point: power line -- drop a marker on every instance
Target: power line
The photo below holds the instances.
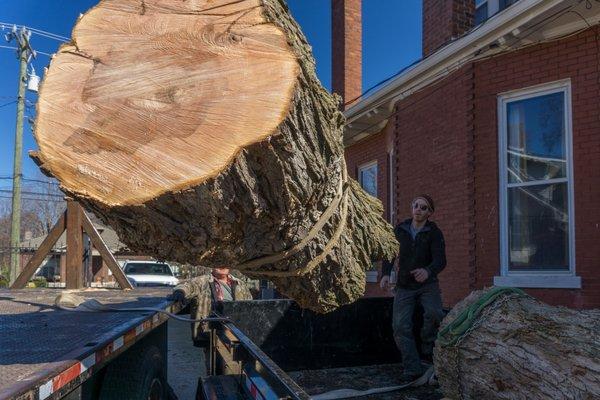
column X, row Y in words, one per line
column 8, row 104
column 6, row 178
column 33, row 199
column 37, row 51
column 34, row 193
column 50, row 35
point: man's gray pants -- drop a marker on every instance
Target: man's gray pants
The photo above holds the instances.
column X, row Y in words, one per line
column 405, row 300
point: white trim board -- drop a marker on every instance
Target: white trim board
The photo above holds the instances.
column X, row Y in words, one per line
column 539, row 281
column 372, row 276
column 541, row 278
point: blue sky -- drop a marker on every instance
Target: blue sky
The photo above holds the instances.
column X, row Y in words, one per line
column 391, row 40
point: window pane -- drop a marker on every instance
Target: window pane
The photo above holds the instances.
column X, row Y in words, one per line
column 481, row 13
column 536, row 138
column 506, row 3
column 538, row 227
column 368, row 179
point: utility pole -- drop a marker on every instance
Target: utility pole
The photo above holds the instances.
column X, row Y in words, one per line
column 25, row 53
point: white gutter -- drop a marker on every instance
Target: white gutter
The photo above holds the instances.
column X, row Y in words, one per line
column 451, row 56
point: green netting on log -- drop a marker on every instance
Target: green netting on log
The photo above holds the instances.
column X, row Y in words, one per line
column 500, row 344
column 454, row 331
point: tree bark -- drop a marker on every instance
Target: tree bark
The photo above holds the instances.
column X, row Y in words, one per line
column 199, row 130
column 521, row 348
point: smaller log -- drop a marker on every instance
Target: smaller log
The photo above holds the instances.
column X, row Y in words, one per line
column 520, row 348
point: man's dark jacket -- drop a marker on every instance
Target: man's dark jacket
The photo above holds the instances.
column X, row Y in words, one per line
column 427, row 251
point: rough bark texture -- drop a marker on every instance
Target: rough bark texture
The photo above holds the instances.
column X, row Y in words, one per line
column 521, row 348
column 266, row 200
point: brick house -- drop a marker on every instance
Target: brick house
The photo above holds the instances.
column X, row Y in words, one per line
column 499, row 122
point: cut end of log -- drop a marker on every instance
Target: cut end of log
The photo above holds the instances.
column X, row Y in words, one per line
column 194, row 82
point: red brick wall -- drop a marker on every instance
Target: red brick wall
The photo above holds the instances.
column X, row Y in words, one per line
column 346, row 43
column 444, row 20
column 374, row 148
column 578, row 59
column 446, row 144
column 434, row 147
column 374, row 290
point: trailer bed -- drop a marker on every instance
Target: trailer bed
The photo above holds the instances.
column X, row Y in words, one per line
column 362, row 378
column 46, row 352
column 277, row 349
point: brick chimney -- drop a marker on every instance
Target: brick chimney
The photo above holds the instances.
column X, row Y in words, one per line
column 346, row 43
column 445, row 20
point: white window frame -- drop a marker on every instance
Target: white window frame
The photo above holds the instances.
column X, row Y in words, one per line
column 535, row 279
column 482, row 3
column 367, row 166
column 493, row 7
column 372, row 275
column 391, row 184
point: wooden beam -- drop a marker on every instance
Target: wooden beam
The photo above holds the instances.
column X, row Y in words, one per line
column 40, row 254
column 74, row 246
column 104, row 251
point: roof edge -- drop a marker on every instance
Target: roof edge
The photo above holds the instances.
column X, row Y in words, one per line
column 443, row 61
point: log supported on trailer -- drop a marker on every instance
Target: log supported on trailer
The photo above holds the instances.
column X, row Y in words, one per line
column 521, row 348
column 199, row 130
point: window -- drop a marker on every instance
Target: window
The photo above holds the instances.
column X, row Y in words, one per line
column 506, row 3
column 536, row 189
column 367, row 177
column 485, row 9
column 147, row 269
column 481, row 11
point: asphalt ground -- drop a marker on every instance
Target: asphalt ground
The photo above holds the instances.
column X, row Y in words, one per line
column 185, row 362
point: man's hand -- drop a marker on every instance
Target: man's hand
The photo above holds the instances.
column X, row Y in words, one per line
column 420, row 274
column 385, row 282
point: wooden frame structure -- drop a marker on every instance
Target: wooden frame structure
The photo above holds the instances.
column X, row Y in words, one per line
column 75, row 222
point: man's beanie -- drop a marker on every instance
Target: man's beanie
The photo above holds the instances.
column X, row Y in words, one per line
column 427, row 199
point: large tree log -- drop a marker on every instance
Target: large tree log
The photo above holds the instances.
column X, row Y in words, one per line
column 521, row 348
column 199, row 131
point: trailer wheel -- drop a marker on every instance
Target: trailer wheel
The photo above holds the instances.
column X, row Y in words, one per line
column 136, row 376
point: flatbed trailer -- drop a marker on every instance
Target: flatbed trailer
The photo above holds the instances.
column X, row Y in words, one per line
column 47, row 353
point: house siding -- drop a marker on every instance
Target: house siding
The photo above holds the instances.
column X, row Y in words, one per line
column 446, row 144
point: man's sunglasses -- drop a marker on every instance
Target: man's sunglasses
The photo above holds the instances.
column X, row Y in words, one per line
column 423, row 207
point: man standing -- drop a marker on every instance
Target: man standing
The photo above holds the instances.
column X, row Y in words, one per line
column 202, row 291
column 422, row 257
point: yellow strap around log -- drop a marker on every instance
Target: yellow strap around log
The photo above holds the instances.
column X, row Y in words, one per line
column 341, row 197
